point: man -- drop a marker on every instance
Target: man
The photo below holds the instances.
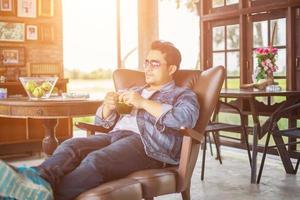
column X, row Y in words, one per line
column 146, row 138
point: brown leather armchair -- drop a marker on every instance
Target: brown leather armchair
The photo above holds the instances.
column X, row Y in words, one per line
column 207, row 84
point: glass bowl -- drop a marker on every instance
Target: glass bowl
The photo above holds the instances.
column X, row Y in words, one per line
column 38, row 87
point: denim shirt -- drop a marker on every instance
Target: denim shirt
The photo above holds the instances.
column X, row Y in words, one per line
column 161, row 138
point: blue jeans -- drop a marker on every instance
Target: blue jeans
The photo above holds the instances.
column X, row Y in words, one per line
column 79, row 164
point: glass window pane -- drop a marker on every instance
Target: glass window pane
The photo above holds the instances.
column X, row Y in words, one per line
column 260, row 34
column 218, row 59
column 217, row 3
column 230, row 2
column 280, row 32
column 219, row 38
column 233, row 63
column 98, row 48
column 233, row 36
column 129, row 34
column 255, row 64
column 281, row 63
column 186, row 40
column 233, row 83
column 281, row 83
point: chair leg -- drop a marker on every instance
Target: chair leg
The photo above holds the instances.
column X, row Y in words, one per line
column 245, row 135
column 210, row 145
column 203, row 157
column 217, row 147
column 297, row 165
column 186, row 194
column 263, row 158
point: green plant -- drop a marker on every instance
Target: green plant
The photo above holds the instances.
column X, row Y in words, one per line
column 266, row 66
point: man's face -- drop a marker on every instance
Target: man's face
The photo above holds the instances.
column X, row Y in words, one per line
column 157, row 72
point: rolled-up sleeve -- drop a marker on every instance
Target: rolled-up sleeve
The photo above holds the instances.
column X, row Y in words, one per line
column 184, row 113
column 108, row 121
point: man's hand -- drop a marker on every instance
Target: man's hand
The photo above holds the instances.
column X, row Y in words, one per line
column 109, row 103
column 132, row 98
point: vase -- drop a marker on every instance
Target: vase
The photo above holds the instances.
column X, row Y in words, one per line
column 263, row 83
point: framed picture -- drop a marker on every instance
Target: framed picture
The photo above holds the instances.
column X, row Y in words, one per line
column 31, row 32
column 7, row 7
column 12, row 32
column 46, row 8
column 12, row 56
column 47, row 32
column 27, row 8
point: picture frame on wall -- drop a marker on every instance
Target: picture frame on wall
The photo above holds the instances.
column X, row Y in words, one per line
column 7, row 7
column 46, row 8
column 31, row 32
column 12, row 32
column 12, row 56
column 27, row 8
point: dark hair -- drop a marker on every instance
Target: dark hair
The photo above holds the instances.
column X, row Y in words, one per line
column 172, row 54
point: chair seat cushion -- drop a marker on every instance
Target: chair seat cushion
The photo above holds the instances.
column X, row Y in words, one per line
column 156, row 182
column 122, row 189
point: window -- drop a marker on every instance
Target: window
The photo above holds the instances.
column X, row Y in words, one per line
column 226, row 52
column 220, row 3
column 89, row 37
column 262, row 34
column 129, row 33
column 186, row 41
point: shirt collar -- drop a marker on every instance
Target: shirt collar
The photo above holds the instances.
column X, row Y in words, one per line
column 165, row 87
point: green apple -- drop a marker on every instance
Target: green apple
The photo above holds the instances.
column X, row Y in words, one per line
column 30, row 86
column 38, row 92
column 46, row 86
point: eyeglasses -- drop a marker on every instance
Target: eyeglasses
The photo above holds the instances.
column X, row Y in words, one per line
column 153, row 64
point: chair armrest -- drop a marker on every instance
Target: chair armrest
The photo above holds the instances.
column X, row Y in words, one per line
column 230, row 106
column 192, row 133
column 92, row 128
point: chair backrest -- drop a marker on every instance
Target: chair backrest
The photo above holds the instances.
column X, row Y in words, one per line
column 207, row 85
column 45, row 69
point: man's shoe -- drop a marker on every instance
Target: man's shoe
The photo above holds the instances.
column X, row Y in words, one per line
column 23, row 185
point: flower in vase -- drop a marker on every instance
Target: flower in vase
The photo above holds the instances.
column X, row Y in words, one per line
column 266, row 66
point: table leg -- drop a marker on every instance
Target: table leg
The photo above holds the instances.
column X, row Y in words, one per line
column 50, row 142
column 256, row 130
column 254, row 155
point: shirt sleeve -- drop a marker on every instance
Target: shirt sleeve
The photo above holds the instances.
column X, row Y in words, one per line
column 108, row 121
column 184, row 113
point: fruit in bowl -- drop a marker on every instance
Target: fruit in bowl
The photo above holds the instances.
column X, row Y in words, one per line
column 38, row 87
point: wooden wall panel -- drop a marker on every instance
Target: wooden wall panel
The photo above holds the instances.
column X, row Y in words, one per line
column 297, row 47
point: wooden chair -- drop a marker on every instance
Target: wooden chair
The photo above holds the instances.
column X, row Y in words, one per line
column 45, row 69
column 273, row 130
column 214, row 126
column 156, row 182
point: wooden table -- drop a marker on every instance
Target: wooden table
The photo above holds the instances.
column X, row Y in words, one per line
column 49, row 110
column 246, row 101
